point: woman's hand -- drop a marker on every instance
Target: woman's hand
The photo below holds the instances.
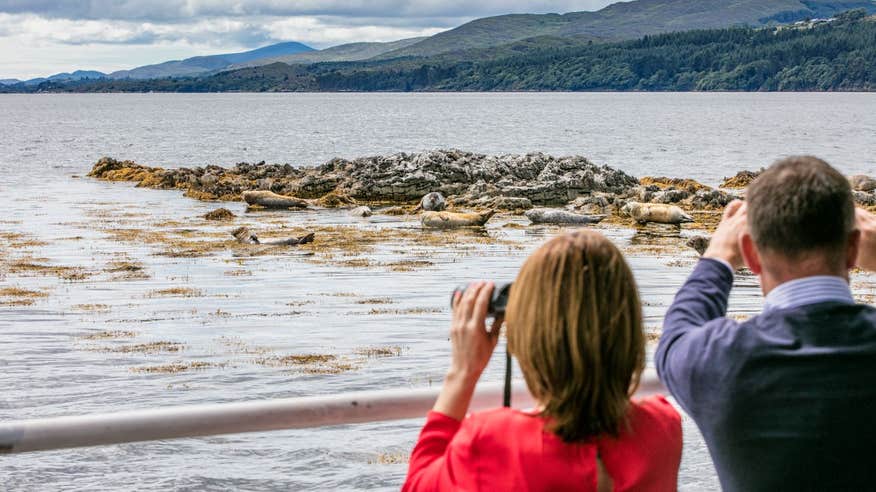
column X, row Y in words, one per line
column 472, row 346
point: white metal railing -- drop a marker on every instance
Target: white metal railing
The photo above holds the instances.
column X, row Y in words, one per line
column 255, row 416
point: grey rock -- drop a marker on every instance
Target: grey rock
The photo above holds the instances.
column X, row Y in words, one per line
column 711, row 199
column 509, row 203
column 863, row 198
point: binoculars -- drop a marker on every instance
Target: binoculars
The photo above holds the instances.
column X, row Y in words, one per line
column 498, row 300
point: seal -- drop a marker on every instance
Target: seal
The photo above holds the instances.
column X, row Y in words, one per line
column 432, row 202
column 699, row 243
column 244, row 236
column 556, row 216
column 655, row 212
column 451, row 220
column 362, row 211
column 269, row 199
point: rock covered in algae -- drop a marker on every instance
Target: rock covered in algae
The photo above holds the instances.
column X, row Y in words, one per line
column 741, row 179
column 466, row 179
column 220, row 214
column 861, row 182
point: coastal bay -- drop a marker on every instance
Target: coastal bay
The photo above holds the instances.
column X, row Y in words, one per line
column 119, row 305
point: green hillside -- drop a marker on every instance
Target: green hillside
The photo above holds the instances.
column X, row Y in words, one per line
column 839, row 55
column 627, row 20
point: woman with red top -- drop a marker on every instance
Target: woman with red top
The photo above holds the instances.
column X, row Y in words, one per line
column 574, row 323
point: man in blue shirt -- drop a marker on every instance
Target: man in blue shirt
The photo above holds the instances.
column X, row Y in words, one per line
column 787, row 399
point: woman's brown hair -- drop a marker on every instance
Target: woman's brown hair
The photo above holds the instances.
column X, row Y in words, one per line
column 574, row 324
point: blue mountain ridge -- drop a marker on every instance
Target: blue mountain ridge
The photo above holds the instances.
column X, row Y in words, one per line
column 176, row 68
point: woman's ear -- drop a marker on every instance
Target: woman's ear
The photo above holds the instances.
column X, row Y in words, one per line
column 750, row 254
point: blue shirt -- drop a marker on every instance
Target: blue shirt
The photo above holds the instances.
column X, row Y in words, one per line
column 809, row 290
column 784, row 400
column 805, row 291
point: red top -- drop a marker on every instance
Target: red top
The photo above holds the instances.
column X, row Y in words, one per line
column 506, row 449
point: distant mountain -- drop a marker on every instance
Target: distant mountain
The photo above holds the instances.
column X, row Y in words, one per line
column 77, row 75
column 199, row 65
column 627, row 20
column 340, row 53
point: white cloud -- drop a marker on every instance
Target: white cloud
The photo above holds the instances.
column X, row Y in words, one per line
column 41, row 37
column 179, row 10
column 34, row 46
column 315, row 31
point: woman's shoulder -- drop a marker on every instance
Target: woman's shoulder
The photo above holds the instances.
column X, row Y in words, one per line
column 502, row 416
column 654, row 414
column 656, row 405
column 488, row 424
column 651, row 410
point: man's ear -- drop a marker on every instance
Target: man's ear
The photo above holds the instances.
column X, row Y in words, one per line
column 750, row 254
column 853, row 249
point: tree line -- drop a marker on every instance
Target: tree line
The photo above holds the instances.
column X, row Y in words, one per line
column 839, row 55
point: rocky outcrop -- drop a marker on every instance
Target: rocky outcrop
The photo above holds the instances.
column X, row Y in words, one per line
column 467, row 180
column 397, row 178
column 688, row 185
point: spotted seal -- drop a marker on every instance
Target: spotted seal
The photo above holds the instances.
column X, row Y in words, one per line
column 269, row 199
column 432, row 202
column 363, row 211
column 556, row 216
column 451, row 220
column 244, row 236
column 656, row 212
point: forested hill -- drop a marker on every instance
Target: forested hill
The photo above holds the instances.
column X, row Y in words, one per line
column 622, row 21
column 820, row 56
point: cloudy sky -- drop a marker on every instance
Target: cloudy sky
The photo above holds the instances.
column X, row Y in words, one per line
column 42, row 37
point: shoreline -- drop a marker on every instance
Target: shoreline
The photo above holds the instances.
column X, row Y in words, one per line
column 508, row 183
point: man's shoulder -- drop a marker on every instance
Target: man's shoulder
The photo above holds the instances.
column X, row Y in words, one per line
column 818, row 316
column 826, row 323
